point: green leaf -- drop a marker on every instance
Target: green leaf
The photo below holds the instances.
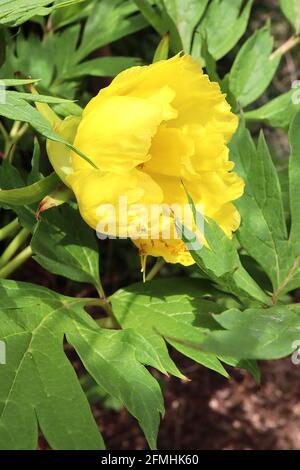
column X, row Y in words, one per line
column 175, row 311
column 68, row 52
column 11, row 178
column 263, row 232
column 68, row 109
column 16, row 12
column 17, row 81
column 63, row 244
column 294, row 179
column 210, row 63
column 101, row 67
column 116, row 19
column 97, row 395
column 162, row 50
column 225, row 24
column 39, row 383
column 291, row 9
column 3, row 47
column 36, row 97
column 185, row 15
column 283, row 176
column 65, row 44
column 30, row 56
column 256, row 333
column 35, row 174
column 278, row 112
column 19, row 110
column 166, row 309
column 29, row 194
column 219, row 260
column 113, row 364
column 230, row 98
column 64, row 16
column 253, row 69
column 151, row 16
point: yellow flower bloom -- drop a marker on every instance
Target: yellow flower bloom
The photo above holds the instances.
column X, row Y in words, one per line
column 152, row 133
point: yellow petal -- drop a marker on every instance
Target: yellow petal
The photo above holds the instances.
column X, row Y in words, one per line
column 168, row 150
column 197, row 99
column 210, row 151
column 127, row 83
column 228, row 218
column 114, row 198
column 59, row 154
column 162, row 96
column 116, row 135
column 173, row 251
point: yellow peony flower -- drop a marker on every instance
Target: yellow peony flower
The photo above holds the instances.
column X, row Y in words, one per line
column 152, row 133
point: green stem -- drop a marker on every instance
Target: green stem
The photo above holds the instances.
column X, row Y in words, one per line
column 13, row 247
column 22, row 131
column 7, row 140
column 156, row 268
column 9, row 229
column 15, row 136
column 111, row 315
column 48, row 29
column 100, row 290
column 4, row 133
column 286, row 47
column 14, row 130
column 104, row 303
column 12, row 138
column 107, row 323
column 9, row 268
column 97, row 303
